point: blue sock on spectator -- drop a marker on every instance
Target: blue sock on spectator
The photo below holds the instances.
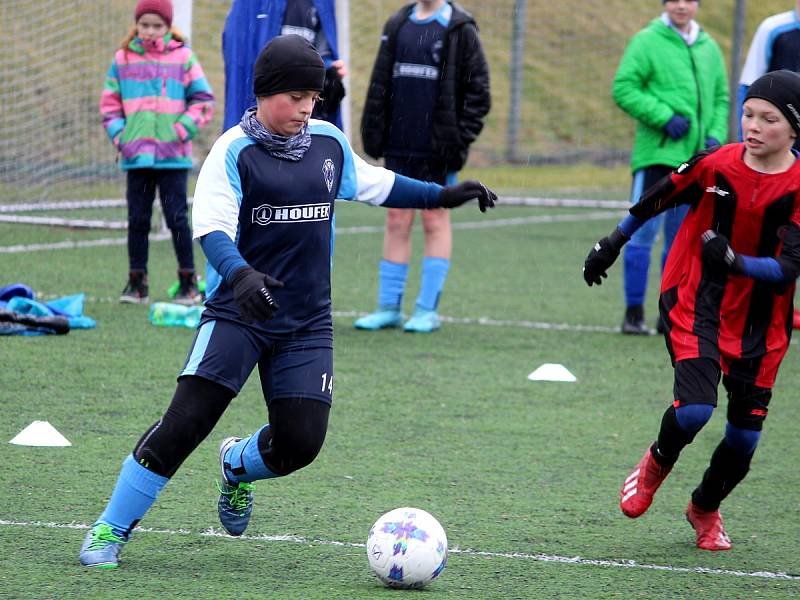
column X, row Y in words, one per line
column 391, row 284
column 434, row 274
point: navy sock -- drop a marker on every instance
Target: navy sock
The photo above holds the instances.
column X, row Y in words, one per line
column 637, row 264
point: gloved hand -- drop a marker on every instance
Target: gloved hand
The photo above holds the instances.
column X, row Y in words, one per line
column 332, row 94
column 677, row 127
column 456, row 195
column 251, row 292
column 712, row 142
column 718, row 256
column 602, row 256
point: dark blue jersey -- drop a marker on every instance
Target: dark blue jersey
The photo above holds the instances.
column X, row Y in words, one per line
column 775, row 45
column 279, row 214
column 415, row 83
column 302, row 18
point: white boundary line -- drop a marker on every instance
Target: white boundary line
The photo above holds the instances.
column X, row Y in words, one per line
column 61, row 222
column 121, row 202
column 486, row 224
column 536, row 556
column 488, row 321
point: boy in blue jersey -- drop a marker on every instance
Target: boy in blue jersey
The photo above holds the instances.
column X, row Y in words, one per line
column 263, row 212
column 775, row 46
column 427, row 98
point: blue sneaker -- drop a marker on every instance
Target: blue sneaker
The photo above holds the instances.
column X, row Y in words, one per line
column 235, row 504
column 382, row 319
column 422, row 321
column 101, row 547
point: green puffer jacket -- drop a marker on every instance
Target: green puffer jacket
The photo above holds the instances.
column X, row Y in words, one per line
column 660, row 75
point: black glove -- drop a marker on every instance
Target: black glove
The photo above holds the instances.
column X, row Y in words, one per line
column 602, row 256
column 456, row 195
column 332, row 94
column 251, row 292
column 718, row 256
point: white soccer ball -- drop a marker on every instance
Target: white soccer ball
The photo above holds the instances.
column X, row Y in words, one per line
column 407, row 548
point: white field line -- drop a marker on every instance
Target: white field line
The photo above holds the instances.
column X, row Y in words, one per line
column 121, row 202
column 61, row 222
column 489, row 322
column 486, row 224
column 535, row 556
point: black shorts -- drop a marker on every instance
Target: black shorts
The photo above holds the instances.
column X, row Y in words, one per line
column 298, row 367
column 697, row 380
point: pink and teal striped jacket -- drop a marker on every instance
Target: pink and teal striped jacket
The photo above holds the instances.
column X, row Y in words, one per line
column 154, row 101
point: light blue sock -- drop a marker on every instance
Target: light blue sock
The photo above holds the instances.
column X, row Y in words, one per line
column 391, row 284
column 136, row 490
column 245, row 460
column 434, row 274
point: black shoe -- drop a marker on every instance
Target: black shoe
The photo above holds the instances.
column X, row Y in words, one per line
column 187, row 289
column 633, row 323
column 136, row 292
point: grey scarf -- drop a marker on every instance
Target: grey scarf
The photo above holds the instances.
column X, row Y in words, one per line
column 288, row 148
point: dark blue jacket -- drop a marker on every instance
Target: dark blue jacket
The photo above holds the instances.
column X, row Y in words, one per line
column 250, row 25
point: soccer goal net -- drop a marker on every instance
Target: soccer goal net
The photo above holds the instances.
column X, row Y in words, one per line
column 55, row 55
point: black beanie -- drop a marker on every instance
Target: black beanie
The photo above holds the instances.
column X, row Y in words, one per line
column 781, row 88
column 288, row 63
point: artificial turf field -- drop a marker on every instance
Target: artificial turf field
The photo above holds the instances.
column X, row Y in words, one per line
column 523, row 475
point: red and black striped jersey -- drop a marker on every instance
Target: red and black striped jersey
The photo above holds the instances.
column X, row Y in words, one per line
column 743, row 323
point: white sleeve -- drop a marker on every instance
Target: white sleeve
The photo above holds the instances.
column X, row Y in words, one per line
column 761, row 47
column 218, row 194
column 373, row 183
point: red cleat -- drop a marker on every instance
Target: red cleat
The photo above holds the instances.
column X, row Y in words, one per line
column 639, row 488
column 709, row 528
column 796, row 319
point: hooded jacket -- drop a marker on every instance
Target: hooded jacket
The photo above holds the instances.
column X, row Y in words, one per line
column 464, row 97
column 660, row 75
column 154, row 101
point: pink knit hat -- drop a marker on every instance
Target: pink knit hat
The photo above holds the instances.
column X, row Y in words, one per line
column 163, row 8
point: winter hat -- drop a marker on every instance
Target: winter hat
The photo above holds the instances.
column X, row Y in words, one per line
column 781, row 88
column 288, row 63
column 163, row 8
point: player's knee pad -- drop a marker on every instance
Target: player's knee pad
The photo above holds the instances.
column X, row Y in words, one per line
column 692, row 417
column 747, row 405
column 298, row 427
column 195, row 408
column 741, row 441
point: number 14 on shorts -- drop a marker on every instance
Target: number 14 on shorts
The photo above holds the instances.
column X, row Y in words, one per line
column 327, row 383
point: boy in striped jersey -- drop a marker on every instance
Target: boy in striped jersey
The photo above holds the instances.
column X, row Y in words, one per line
column 726, row 296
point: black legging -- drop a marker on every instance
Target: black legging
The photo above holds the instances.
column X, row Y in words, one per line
column 292, row 441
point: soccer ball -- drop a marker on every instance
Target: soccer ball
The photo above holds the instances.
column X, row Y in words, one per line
column 407, row 548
